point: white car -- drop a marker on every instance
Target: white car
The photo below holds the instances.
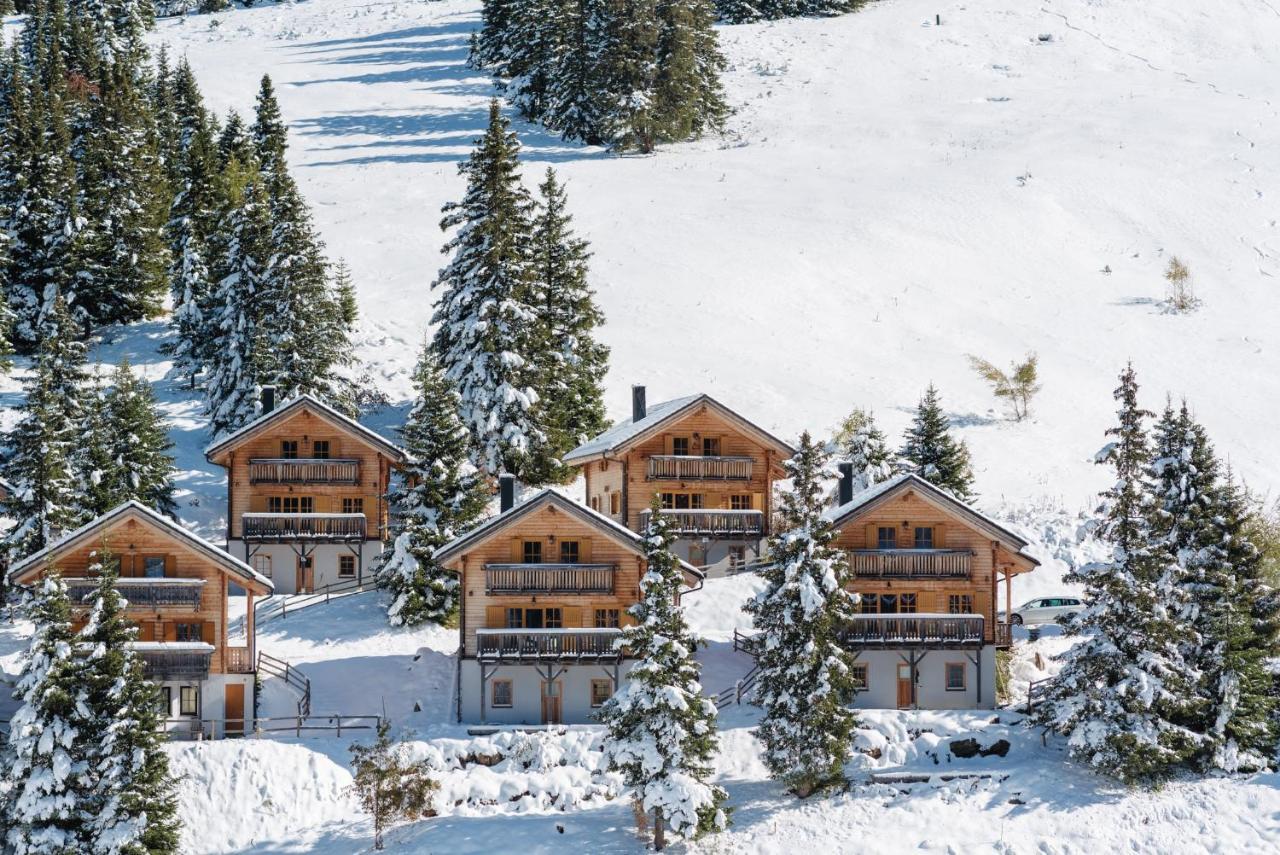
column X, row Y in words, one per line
column 1045, row 610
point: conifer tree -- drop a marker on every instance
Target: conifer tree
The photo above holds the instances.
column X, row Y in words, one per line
column 534, row 52
column 624, row 46
column 861, row 442
column 571, row 109
column 388, row 784
column 270, row 136
column 489, row 47
column 662, row 733
column 486, row 316
column 930, row 451
column 438, row 496
column 138, row 446
column 688, row 100
column 234, row 142
column 1125, row 685
column 348, row 308
column 805, row 678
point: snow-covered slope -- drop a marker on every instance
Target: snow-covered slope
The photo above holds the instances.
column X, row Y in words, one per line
column 890, row 196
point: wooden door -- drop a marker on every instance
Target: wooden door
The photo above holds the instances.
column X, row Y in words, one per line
column 234, row 709
column 904, row 686
column 306, row 576
column 551, row 702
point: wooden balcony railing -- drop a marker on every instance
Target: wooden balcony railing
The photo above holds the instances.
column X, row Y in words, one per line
column 540, row 644
column 238, row 660
column 549, row 578
column 911, row 563
column 143, row 593
column 286, row 527
column 175, row 660
column 1004, row 637
column 714, row 523
column 912, row 629
column 677, row 467
column 303, row 470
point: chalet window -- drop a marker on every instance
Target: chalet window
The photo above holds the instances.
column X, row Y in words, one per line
column 858, row 671
column 740, row 502
column 502, row 695
column 188, row 631
column 188, row 700
column 601, row 691
column 153, row 566
column 668, row 500
column 595, row 503
column 164, row 702
column 107, row 563
column 552, row 618
column 532, row 553
column 924, row 537
column 607, row 618
column 682, row 501
column 353, row 505
column 262, row 563
column 711, row 446
column 907, row 604
column 289, row 449
column 888, row 604
column 696, row 501
column 737, row 556
column 680, row 446
column 515, row 618
column 955, row 677
column 697, row 554
column 346, row 566
column 320, row 449
column 869, row 604
column 615, row 503
column 306, row 505
column 960, row 604
column 291, row 504
column 569, row 552
column 886, row 537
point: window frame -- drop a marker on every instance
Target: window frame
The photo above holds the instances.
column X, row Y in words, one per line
column 343, row 559
column 552, row 617
column 511, row 693
column 607, row 682
column 288, row 449
column 183, row 628
column 680, row 446
column 615, row 503
column 262, row 565
column 320, row 449
column 928, row 539
column 740, row 502
column 865, row 683
column 883, row 542
column 516, row 612
column 570, row 552
column 530, row 548
column 164, row 700
column 608, row 618
column 192, row 692
column 146, row 570
column 948, row 669
column 713, row 444
column 964, row 599
column 353, row 504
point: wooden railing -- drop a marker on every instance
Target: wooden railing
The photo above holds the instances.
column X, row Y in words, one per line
column 143, row 593
column 891, row 629
column 238, row 660
column 293, row 678
column 280, row 606
column 534, row 644
column 676, row 467
column 1004, row 637
column 307, row 470
column 549, row 578
column 283, row 527
column 911, row 563
column 160, row 665
column 290, row 725
column 714, row 523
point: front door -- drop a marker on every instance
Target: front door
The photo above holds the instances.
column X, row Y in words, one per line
column 551, row 702
column 904, row 686
column 234, row 709
column 306, row 576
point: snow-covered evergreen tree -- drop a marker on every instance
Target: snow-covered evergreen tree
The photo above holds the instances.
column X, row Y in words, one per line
column 438, row 496
column 748, row 11
column 624, row 42
column 661, row 729
column 234, row 142
column 136, row 438
column 688, row 100
column 861, row 442
column 930, row 451
column 487, row 320
column 805, row 678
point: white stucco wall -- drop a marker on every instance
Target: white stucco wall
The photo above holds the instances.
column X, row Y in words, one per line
column 526, row 705
column 931, row 689
column 324, row 560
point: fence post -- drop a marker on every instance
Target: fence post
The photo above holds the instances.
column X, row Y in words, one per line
column 737, row 693
column 299, row 733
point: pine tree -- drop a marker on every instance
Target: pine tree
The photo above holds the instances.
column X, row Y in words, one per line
column 661, row 730
column 930, row 451
column 134, row 803
column 861, row 442
column 688, row 100
column 437, row 497
column 748, row 11
column 138, row 443
column 1125, row 685
column 234, row 142
column 486, row 317
column 805, row 678
column 624, row 39
column 46, row 788
column 270, row 135
column 348, row 308
column 571, row 109
column 388, row 785
column 489, row 48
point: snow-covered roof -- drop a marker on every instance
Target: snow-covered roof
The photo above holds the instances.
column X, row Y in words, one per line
column 876, row 492
column 289, row 407
column 224, row 558
column 543, row 497
column 625, row 433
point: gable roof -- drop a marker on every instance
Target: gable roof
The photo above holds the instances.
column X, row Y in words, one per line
column 542, row 498
column 878, row 493
column 222, row 557
column 629, row 432
column 291, row 406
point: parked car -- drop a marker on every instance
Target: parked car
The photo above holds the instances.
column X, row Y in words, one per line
column 1045, row 610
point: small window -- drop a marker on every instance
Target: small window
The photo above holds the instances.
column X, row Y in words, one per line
column 164, row 701
column 601, row 691
column 595, row 503
column 188, row 700
column 353, row 505
column 858, row 671
column 682, row 501
column 960, row 604
column 697, row 555
column 696, row 501
column 711, row 446
column 907, row 604
column 346, row 566
column 532, row 552
column 924, row 537
column 153, row 566
column 615, row 503
column 607, row 618
column 306, row 505
column 680, row 446
column 869, row 604
column 515, row 618
column 320, row 449
column 740, row 502
column 553, row 618
column 188, row 632
column 289, row 449
column 262, row 563
column 886, row 537
column 955, row 677
column 502, row 693
column 569, row 552
column 737, row 556
column 668, row 501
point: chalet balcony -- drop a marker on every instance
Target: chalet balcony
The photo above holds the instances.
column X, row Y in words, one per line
column 549, row 578
column 238, row 660
column 282, row 528
column 679, row 467
column 895, row 630
column 175, row 660
column 309, row 470
column 535, row 645
column 713, row 523
column 143, row 593
column 911, row 563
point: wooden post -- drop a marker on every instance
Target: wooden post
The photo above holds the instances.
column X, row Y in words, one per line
column 659, row 830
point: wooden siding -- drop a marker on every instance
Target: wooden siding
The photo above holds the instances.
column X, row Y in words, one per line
column 306, row 428
column 604, row 479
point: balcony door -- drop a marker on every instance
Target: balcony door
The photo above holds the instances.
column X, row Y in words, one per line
column 904, row 686
column 234, row 706
column 551, row 712
column 306, row 576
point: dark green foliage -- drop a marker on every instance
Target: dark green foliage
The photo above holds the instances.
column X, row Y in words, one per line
column 389, row 786
column 930, row 451
column 747, row 11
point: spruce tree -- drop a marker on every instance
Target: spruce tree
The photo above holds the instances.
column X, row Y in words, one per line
column 625, row 43
column 437, row 497
column 749, row 11
column 930, row 451
column 234, row 142
column 138, row 441
column 270, row 135
column 688, row 100
column 344, row 289
column 861, row 442
column 662, row 733
column 571, row 109
column 805, row 679
column 486, row 315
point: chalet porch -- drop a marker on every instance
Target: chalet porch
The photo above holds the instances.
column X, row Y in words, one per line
column 536, row 645
column 914, row 630
column 175, row 660
column 713, row 522
column 285, row 527
column 148, row 593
